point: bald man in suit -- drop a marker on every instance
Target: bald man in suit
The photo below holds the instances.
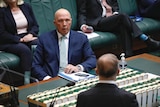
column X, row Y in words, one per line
column 106, row 93
column 47, row 58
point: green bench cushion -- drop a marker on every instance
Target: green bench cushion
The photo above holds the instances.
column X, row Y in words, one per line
column 45, row 9
column 148, row 25
column 9, row 60
column 105, row 38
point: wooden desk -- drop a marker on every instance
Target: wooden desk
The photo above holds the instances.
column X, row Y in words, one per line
column 145, row 63
column 145, row 56
column 63, row 82
column 41, row 86
column 37, row 83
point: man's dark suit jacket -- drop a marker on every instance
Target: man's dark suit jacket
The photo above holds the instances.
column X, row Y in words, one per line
column 144, row 5
column 149, row 8
column 87, row 14
column 106, row 95
column 8, row 30
column 46, row 58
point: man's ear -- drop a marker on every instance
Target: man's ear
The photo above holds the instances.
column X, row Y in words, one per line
column 118, row 71
column 97, row 71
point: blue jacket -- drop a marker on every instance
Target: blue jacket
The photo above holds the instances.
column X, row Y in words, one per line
column 8, row 31
column 46, row 56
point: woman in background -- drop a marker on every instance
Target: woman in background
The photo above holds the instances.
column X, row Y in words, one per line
column 18, row 30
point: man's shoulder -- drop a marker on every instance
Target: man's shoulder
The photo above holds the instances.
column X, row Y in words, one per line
column 73, row 32
column 125, row 93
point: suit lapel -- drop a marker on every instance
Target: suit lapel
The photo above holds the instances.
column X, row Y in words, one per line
column 98, row 2
column 70, row 46
column 10, row 18
column 56, row 46
column 25, row 12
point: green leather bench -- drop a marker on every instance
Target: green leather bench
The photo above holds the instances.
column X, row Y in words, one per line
column 45, row 9
column 9, row 60
column 147, row 25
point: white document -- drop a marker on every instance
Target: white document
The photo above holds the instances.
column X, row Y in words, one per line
column 90, row 35
column 75, row 77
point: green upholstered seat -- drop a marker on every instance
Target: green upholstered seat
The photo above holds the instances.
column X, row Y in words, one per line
column 147, row 25
column 105, row 38
column 127, row 6
column 45, row 9
column 8, row 60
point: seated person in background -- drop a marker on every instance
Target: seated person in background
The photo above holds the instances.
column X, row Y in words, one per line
column 18, row 30
column 106, row 93
column 52, row 55
column 149, row 8
column 103, row 15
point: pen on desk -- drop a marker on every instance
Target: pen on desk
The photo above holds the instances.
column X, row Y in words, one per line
column 82, row 75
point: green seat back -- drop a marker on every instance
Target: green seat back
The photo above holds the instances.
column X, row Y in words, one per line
column 72, row 7
column 44, row 12
column 127, row 6
column 69, row 5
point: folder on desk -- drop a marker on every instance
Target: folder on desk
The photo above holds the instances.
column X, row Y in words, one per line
column 75, row 77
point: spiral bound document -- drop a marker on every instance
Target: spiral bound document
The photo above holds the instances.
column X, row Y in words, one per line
column 75, row 77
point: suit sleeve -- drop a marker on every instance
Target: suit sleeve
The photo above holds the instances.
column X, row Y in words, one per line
column 114, row 5
column 80, row 51
column 133, row 102
column 89, row 57
column 80, row 101
column 81, row 10
column 38, row 62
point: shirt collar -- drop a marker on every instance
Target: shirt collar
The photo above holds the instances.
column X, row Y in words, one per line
column 60, row 35
column 106, row 81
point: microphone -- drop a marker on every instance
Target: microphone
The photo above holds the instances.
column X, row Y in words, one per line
column 70, row 84
column 14, row 98
column 17, row 73
column 57, row 92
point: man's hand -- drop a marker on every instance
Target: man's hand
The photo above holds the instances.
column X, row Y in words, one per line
column 87, row 29
column 108, row 8
column 70, row 69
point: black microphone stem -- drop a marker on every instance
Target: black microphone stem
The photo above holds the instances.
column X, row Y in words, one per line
column 14, row 98
column 57, row 92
